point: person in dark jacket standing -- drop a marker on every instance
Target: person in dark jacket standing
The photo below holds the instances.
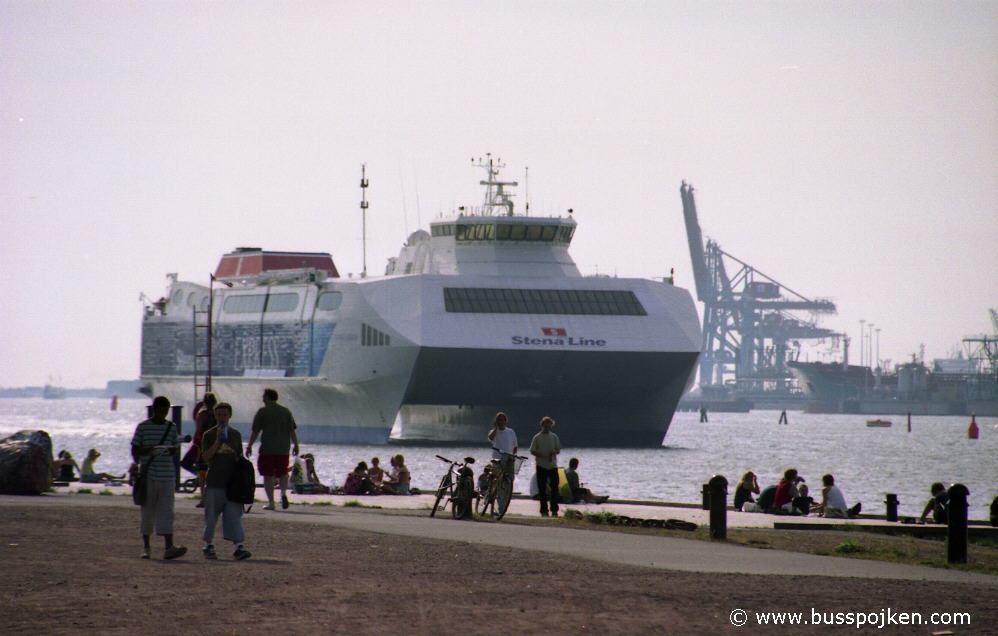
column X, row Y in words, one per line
column 221, row 447
column 154, row 445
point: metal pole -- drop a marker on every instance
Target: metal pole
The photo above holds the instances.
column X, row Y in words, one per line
column 363, row 216
column 211, row 314
column 956, row 531
column 892, row 506
column 862, row 345
column 718, row 507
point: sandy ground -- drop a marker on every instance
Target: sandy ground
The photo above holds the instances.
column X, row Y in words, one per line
column 75, row 569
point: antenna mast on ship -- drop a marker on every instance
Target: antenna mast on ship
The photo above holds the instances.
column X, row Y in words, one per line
column 363, row 217
column 497, row 197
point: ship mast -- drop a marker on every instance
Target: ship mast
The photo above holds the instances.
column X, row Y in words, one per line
column 363, row 217
column 495, row 195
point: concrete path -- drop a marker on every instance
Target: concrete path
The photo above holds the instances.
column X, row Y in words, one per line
column 666, row 553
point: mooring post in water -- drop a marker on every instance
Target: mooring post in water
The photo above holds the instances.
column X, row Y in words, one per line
column 705, row 493
column 892, row 506
column 909, row 421
column 956, row 532
column 718, row 507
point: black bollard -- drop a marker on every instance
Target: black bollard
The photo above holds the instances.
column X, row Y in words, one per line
column 705, row 492
column 994, row 512
column 177, row 415
column 718, row 507
column 956, row 531
column 892, row 506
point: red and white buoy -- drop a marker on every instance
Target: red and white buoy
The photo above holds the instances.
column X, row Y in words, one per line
column 972, row 430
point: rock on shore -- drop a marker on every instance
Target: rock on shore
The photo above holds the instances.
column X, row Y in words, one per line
column 25, row 463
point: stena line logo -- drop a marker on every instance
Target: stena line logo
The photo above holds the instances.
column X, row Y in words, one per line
column 557, row 336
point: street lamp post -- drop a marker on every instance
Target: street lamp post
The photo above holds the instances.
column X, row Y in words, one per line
column 862, row 343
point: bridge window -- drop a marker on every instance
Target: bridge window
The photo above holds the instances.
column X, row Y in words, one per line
column 329, row 301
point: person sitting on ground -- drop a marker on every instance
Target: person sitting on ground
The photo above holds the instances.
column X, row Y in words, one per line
column 833, row 502
column 938, row 505
column 297, row 479
column 744, row 490
column 311, row 477
column 89, row 476
column 357, row 482
column 580, row 494
column 376, row 473
column 786, row 491
column 399, row 481
column 803, row 502
column 765, row 501
column 63, row 467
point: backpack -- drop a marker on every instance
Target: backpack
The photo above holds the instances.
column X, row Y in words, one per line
column 242, row 483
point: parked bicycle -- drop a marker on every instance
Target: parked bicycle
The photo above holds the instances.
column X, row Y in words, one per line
column 458, row 485
column 497, row 484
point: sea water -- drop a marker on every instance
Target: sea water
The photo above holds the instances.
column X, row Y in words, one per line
column 867, row 462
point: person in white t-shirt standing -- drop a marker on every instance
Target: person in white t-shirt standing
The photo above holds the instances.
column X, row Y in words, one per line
column 545, row 448
column 503, row 438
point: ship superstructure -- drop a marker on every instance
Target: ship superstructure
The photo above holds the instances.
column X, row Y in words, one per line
column 487, row 311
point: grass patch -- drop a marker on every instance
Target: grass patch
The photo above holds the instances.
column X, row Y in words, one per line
column 106, row 491
column 85, row 491
column 353, row 503
column 849, row 547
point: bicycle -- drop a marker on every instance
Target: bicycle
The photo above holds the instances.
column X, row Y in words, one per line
column 497, row 490
column 459, row 491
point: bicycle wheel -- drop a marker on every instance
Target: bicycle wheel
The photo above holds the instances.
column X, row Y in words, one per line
column 504, row 492
column 441, row 491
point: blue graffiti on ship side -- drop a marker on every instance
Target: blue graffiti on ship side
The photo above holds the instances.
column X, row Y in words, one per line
column 297, row 348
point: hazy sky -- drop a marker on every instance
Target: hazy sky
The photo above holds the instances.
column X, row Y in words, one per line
column 849, row 149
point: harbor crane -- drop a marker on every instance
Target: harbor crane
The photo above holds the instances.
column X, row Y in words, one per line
column 751, row 322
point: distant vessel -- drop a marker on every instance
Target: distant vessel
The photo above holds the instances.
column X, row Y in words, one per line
column 52, row 392
column 485, row 312
column 879, row 423
column 954, row 386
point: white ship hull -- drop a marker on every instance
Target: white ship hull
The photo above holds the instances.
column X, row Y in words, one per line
column 487, row 314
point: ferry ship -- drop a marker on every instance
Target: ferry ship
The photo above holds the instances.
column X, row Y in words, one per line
column 486, row 312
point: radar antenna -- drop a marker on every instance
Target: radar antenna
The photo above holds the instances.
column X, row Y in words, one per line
column 495, row 195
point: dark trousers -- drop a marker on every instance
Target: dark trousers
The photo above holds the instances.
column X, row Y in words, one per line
column 547, row 486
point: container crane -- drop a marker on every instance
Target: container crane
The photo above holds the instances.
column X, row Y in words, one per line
column 750, row 330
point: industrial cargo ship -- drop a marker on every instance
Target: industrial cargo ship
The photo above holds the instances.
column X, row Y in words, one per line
column 964, row 385
column 487, row 311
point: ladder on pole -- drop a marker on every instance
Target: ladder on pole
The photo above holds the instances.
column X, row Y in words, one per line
column 202, row 353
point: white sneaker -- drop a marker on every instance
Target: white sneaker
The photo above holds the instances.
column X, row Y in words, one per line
column 269, row 506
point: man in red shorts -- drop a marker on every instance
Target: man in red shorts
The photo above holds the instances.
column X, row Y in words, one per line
column 276, row 427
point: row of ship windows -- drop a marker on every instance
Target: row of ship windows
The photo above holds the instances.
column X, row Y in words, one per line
column 505, row 232
column 576, row 302
column 582, row 302
column 263, row 303
column 371, row 337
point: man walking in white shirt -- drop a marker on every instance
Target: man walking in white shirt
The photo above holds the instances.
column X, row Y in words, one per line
column 545, row 448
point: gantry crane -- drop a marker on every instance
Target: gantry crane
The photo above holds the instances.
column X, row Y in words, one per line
column 750, row 329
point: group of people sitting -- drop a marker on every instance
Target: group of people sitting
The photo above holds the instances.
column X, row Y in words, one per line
column 65, row 468
column 791, row 496
column 373, row 480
